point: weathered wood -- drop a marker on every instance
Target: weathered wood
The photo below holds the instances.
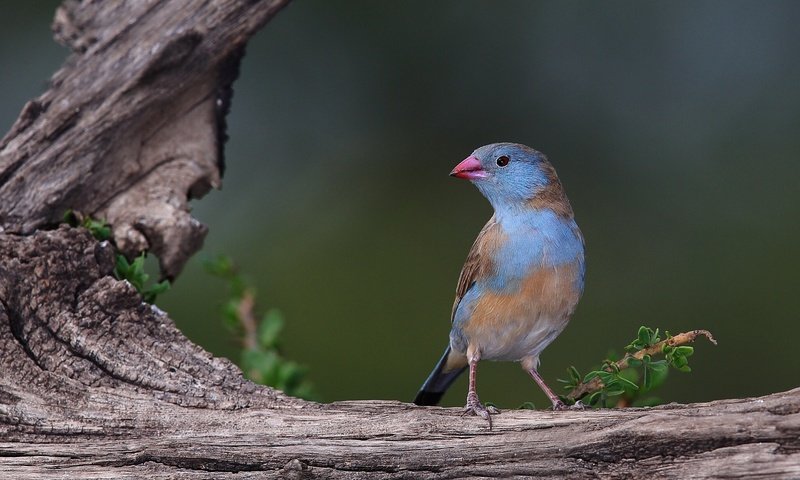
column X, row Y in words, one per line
column 101, row 140
column 730, row 439
column 96, row 384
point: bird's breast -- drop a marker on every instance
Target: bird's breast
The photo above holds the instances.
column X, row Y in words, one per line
column 513, row 325
column 526, row 299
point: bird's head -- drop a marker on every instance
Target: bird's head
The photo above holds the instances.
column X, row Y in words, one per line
column 513, row 174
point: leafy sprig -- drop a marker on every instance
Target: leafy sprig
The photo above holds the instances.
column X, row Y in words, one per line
column 133, row 272
column 98, row 228
column 261, row 358
column 646, row 337
column 625, row 382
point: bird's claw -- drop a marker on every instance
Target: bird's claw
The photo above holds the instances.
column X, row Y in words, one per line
column 561, row 406
column 475, row 407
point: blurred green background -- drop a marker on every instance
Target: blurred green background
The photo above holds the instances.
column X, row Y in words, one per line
column 674, row 126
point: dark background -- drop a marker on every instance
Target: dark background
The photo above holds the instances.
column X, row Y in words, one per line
column 674, row 127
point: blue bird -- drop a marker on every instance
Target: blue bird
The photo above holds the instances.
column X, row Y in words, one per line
column 522, row 278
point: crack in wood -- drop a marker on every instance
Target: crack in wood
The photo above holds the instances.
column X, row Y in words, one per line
column 16, row 324
column 190, row 463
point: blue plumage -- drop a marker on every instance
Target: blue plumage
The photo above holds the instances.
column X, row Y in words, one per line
column 536, row 238
column 523, row 276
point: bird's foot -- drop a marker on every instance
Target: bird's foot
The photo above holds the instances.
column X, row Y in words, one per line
column 475, row 407
column 560, row 406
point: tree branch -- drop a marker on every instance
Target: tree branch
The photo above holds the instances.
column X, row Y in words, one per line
column 94, row 383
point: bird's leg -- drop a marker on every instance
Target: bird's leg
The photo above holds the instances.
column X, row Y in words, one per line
column 474, row 405
column 557, row 403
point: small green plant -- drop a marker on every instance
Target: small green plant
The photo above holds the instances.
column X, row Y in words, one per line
column 98, row 228
column 628, row 380
column 133, row 272
column 261, row 357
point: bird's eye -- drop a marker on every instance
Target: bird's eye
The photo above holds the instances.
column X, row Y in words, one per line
column 502, row 160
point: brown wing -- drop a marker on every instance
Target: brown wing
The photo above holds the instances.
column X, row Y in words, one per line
column 476, row 262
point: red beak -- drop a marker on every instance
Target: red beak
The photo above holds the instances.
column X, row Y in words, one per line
column 470, row 169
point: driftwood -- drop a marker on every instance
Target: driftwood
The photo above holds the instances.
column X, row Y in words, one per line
column 94, row 383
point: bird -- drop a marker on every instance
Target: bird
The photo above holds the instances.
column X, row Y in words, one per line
column 522, row 278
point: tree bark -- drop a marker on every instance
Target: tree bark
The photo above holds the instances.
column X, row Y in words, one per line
column 94, row 383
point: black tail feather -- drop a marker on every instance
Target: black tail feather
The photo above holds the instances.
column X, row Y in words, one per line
column 428, row 398
column 437, row 383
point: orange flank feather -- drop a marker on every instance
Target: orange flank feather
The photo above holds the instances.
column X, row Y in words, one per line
column 509, row 326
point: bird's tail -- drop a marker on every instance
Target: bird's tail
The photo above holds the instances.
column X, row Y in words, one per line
column 443, row 375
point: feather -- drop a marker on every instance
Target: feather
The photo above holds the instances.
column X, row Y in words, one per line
column 479, row 261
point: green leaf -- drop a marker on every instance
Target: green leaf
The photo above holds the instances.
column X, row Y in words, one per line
column 138, row 265
column 659, row 366
column 568, row 385
column 221, row 266
column 574, row 375
column 654, row 374
column 626, row 383
column 263, row 365
column 615, row 391
column 594, row 397
column 684, row 350
column 527, row 406
column 70, row 218
column 270, row 328
column 98, row 228
column 574, row 379
column 654, row 338
column 589, row 376
column 155, row 290
column 121, row 267
column 607, row 378
column 631, row 374
column 134, row 273
column 289, row 374
column 644, row 335
column 230, row 315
